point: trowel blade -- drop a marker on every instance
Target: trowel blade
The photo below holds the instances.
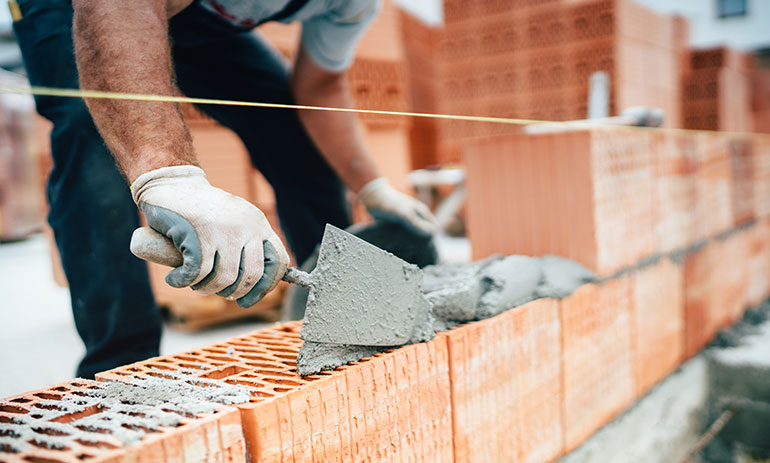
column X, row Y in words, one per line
column 362, row 295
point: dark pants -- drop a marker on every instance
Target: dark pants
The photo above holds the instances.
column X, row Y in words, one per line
column 92, row 214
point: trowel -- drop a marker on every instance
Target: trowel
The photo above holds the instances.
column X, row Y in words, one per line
column 359, row 294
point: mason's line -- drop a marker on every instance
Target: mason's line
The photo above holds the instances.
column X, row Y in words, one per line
column 77, row 93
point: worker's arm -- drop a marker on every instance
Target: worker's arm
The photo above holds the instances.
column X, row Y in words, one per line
column 227, row 245
column 339, row 138
column 123, row 47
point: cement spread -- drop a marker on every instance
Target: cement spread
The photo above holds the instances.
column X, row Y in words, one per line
column 316, row 356
column 121, row 412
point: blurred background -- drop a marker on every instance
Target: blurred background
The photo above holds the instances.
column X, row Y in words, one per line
column 694, row 64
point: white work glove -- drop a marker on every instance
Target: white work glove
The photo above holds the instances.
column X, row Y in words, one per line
column 386, row 203
column 227, row 245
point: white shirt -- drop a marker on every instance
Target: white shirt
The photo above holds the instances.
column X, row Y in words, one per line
column 331, row 29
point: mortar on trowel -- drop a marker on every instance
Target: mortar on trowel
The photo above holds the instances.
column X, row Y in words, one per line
column 393, row 237
column 358, row 293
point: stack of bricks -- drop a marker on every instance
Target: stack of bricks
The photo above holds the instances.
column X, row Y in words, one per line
column 529, row 384
column 717, row 87
column 421, row 46
column 611, row 197
column 676, row 221
column 533, row 60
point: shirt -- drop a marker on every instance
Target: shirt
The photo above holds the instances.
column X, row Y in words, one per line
column 331, row 29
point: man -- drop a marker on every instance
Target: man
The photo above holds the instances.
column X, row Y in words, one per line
column 205, row 49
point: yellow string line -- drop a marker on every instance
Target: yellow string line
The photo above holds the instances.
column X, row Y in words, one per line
column 77, row 93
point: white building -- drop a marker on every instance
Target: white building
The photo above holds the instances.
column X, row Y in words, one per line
column 741, row 24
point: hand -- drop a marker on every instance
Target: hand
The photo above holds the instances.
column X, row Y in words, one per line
column 386, row 203
column 227, row 245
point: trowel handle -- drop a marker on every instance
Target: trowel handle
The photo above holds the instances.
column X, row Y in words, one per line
column 150, row 245
column 296, row 276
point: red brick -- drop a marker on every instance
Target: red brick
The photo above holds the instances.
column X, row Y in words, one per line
column 600, row 180
column 742, row 166
column 657, row 322
column 758, row 251
column 215, row 437
column 598, row 375
column 393, row 406
column 730, row 278
column 674, row 193
column 506, row 386
column 761, row 173
column 699, row 294
column 713, row 184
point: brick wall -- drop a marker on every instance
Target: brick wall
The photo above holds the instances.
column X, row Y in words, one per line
column 610, row 197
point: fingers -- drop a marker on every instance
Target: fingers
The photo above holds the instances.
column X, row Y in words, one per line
column 249, row 271
column 191, row 267
column 412, row 214
column 224, row 272
column 275, row 261
column 423, row 218
column 182, row 234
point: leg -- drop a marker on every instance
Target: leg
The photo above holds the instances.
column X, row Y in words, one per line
column 92, row 213
column 213, row 60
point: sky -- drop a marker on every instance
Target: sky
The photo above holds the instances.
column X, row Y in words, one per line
column 428, row 10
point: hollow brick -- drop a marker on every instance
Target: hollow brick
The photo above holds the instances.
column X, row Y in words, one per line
column 596, row 339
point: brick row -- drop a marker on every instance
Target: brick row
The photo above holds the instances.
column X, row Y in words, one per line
column 66, row 424
column 530, row 384
column 393, row 406
column 536, row 381
column 610, row 197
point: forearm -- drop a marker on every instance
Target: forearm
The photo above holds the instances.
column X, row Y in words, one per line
column 123, row 47
column 338, row 135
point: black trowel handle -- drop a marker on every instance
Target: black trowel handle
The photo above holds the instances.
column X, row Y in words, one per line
column 151, row 246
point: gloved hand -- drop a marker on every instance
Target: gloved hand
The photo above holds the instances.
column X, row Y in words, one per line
column 227, row 245
column 386, row 203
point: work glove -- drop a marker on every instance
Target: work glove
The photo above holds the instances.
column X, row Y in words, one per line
column 386, row 203
column 227, row 245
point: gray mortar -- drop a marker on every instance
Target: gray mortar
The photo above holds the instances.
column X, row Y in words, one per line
column 126, row 411
column 561, row 277
column 454, row 290
column 455, row 294
column 508, row 283
column 314, row 357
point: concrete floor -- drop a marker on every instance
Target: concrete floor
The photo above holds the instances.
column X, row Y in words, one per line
column 38, row 342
